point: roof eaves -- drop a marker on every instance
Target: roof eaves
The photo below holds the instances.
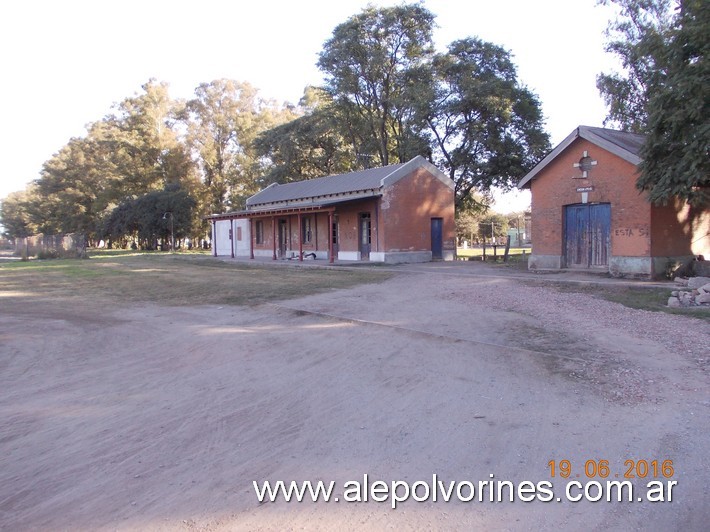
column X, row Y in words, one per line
column 590, row 135
column 586, row 133
column 413, row 164
column 337, row 198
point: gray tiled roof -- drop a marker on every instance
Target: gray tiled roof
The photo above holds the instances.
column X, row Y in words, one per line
column 630, row 142
column 324, row 186
column 316, row 193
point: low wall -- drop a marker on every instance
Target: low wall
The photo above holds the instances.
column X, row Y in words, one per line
column 32, row 245
column 399, row 257
column 544, row 262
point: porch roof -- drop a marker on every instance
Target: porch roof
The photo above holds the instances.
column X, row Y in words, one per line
column 320, row 206
column 325, row 192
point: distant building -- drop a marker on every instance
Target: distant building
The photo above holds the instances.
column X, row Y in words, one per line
column 517, row 237
column 398, row 213
column 587, row 212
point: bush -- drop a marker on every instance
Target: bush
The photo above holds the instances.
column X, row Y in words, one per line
column 48, row 254
column 61, row 254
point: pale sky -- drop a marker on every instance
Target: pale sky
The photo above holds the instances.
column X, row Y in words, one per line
column 64, row 63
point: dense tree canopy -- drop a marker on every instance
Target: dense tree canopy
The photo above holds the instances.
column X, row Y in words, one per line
column 391, row 97
column 663, row 93
column 143, row 147
column 634, row 37
column 15, row 213
column 224, row 120
column 158, row 215
column 676, row 154
column 485, row 128
column 387, row 97
column 371, row 64
column 312, row 144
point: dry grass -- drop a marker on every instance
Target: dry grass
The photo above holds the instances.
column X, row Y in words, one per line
column 643, row 298
column 180, row 279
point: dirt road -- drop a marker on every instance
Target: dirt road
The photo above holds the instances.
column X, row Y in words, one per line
column 160, row 418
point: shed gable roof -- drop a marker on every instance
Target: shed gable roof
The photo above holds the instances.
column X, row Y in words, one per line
column 364, row 182
column 621, row 143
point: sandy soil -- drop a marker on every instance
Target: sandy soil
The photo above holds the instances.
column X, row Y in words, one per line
column 160, row 418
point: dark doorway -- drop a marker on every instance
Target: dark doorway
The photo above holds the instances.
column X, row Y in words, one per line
column 283, row 237
column 365, row 235
column 437, row 238
column 334, row 234
column 587, row 235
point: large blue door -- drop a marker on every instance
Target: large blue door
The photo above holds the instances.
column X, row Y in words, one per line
column 587, row 235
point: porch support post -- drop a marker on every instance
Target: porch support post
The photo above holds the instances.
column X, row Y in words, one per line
column 231, row 234
column 300, row 238
column 214, row 238
column 377, row 225
column 331, row 258
column 273, row 235
column 251, row 237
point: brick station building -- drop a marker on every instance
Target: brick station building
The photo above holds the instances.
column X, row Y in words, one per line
column 397, row 213
column 588, row 214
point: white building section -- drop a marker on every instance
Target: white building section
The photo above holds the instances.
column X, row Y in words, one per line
column 231, row 238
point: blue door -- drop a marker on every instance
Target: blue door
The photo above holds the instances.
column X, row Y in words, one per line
column 587, row 235
column 437, row 238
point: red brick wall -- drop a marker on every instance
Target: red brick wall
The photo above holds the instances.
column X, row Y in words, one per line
column 268, row 233
column 679, row 230
column 319, row 232
column 401, row 219
column 348, row 219
column 406, row 210
column 613, row 180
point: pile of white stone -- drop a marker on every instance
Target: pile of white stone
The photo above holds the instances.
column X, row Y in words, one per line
column 696, row 291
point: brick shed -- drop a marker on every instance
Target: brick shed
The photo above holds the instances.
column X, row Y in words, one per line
column 398, row 213
column 587, row 212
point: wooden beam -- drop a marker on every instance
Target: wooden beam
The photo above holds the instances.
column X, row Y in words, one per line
column 331, row 259
column 251, row 237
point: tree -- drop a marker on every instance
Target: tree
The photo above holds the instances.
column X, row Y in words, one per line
column 635, row 38
column 390, row 98
column 663, row 93
column 467, row 227
column 372, row 65
column 676, row 153
column 151, row 217
column 142, row 136
column 310, row 145
column 224, row 119
column 129, row 153
column 493, row 225
column 15, row 214
column 72, row 189
column 486, row 129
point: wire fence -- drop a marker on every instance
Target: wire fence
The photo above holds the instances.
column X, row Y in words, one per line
column 51, row 246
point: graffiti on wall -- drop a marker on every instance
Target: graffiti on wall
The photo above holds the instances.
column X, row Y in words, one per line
column 633, row 232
